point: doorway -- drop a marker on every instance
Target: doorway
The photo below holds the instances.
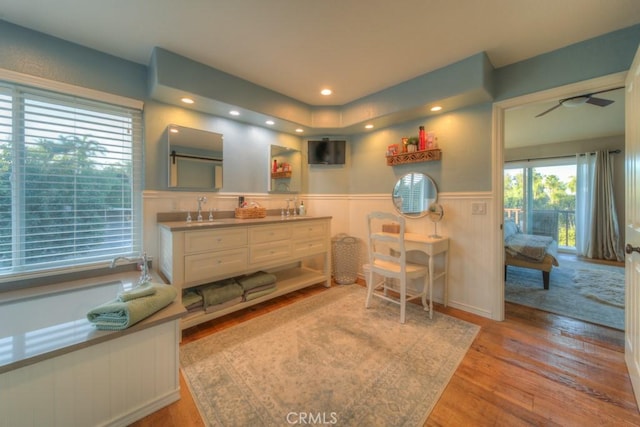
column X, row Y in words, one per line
column 504, row 153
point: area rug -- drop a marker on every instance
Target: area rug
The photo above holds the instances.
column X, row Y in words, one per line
column 327, row 360
column 585, row 291
column 603, row 286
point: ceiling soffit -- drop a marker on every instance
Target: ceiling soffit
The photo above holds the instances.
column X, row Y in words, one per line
column 172, row 77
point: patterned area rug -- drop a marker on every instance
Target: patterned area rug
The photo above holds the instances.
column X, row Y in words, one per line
column 327, row 360
column 585, row 291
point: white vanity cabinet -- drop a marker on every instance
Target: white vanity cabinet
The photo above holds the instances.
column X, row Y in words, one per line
column 213, row 253
column 297, row 251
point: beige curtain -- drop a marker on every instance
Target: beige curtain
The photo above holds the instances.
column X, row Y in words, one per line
column 597, row 231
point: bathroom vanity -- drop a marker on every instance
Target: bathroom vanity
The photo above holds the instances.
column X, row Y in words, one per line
column 295, row 249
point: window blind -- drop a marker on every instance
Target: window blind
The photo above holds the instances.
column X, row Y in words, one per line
column 70, row 181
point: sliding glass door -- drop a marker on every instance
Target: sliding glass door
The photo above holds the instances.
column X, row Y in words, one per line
column 540, row 197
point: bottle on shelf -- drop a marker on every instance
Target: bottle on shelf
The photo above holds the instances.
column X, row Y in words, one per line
column 422, row 136
column 274, row 169
column 302, row 209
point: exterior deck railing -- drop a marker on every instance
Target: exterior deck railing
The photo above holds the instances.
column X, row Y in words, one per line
column 562, row 228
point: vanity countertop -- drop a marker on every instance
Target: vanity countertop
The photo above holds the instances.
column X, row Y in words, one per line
column 40, row 326
column 232, row 222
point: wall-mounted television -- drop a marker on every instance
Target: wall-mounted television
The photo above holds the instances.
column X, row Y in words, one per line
column 326, row 152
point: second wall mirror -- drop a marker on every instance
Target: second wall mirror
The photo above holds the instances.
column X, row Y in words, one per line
column 285, row 173
column 195, row 158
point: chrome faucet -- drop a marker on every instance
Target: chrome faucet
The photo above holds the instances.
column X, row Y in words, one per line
column 287, row 211
column 143, row 263
column 201, row 201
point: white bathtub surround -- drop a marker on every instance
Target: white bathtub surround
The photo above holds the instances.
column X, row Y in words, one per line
column 53, row 359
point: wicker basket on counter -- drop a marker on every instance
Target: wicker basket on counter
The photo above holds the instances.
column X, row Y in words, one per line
column 251, row 212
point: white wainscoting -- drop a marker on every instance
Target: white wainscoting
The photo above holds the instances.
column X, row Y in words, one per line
column 113, row 383
column 473, row 283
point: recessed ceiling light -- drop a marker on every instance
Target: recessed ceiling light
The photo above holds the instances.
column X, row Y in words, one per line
column 368, row 126
column 299, row 130
column 270, row 122
column 436, row 108
column 326, row 92
column 234, row 112
column 173, row 130
column 187, row 100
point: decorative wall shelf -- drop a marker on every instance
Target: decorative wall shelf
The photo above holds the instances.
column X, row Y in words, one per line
column 277, row 175
column 415, row 157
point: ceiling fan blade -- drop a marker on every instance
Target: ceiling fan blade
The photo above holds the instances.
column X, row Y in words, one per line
column 606, row 90
column 549, row 110
column 584, row 98
column 600, row 102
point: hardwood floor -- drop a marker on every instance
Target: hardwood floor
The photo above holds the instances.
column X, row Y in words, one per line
column 535, row 368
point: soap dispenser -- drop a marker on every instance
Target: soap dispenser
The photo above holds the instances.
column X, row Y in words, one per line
column 302, row 210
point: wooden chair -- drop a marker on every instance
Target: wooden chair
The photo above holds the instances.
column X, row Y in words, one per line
column 388, row 260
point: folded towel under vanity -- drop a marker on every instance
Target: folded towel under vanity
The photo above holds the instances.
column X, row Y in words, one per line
column 256, row 280
column 143, row 290
column 223, row 305
column 258, row 292
column 117, row 315
column 220, row 292
column 190, row 298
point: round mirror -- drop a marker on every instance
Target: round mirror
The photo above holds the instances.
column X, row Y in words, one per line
column 413, row 194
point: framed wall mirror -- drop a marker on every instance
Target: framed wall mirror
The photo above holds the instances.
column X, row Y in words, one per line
column 285, row 172
column 195, row 158
column 413, row 194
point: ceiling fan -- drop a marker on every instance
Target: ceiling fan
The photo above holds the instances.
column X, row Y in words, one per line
column 586, row 98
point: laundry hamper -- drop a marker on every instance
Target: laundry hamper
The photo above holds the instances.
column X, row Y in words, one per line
column 344, row 253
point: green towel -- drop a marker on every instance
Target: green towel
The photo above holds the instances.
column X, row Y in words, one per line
column 220, row 292
column 256, row 280
column 143, row 290
column 258, row 294
column 117, row 315
column 191, row 297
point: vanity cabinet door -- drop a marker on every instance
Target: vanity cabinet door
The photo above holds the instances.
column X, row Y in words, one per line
column 309, row 246
column 308, row 230
column 269, row 252
column 269, row 243
column 208, row 240
column 210, row 266
column 269, row 234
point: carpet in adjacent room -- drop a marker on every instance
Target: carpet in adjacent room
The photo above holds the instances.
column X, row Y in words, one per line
column 586, row 291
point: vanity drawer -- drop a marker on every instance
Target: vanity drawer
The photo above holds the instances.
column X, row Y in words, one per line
column 267, row 252
column 269, row 234
column 309, row 247
column 210, row 265
column 207, row 240
column 309, row 230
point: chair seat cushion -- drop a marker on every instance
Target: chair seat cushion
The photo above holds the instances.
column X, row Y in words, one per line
column 413, row 270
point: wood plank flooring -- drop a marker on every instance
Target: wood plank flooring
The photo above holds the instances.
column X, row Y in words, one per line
column 535, row 368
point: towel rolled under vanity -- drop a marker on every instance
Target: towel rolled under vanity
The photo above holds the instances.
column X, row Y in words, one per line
column 118, row 315
column 256, row 280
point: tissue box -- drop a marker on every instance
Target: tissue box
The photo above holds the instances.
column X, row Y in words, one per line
column 391, row 228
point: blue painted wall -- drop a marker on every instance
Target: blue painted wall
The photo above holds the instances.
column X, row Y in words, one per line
column 464, row 134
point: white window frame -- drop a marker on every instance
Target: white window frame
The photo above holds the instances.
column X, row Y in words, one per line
column 12, row 77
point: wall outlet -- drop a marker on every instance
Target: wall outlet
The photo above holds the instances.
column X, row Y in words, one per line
column 478, row 208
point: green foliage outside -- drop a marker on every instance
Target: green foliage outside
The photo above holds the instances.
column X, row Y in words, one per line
column 550, row 193
column 75, row 199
